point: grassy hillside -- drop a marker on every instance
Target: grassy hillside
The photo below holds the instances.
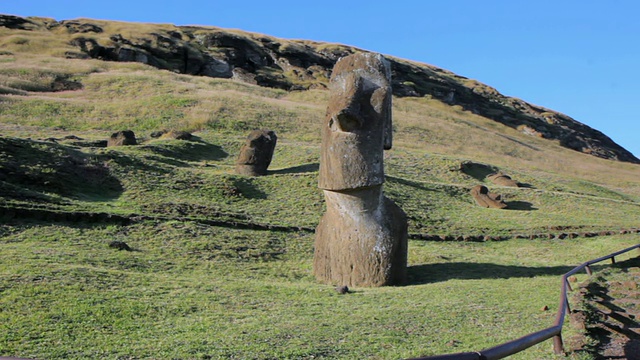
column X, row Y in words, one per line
column 221, row 263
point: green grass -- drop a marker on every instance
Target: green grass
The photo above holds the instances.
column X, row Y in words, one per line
column 190, row 290
column 193, row 291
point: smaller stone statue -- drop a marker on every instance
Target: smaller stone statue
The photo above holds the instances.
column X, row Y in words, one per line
column 256, row 154
column 502, row 179
column 122, row 138
column 487, row 199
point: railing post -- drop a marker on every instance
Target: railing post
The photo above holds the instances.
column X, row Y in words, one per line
column 558, row 348
column 613, row 259
column 588, row 270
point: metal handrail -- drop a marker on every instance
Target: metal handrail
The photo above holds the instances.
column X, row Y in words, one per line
column 527, row 341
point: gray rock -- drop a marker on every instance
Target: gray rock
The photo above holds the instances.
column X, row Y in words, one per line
column 217, row 68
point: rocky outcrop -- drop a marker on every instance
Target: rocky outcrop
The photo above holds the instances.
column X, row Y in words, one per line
column 362, row 238
column 19, row 23
column 300, row 65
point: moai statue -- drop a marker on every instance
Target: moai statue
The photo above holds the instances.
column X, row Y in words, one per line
column 502, row 179
column 257, row 152
column 122, row 138
column 362, row 238
column 484, row 198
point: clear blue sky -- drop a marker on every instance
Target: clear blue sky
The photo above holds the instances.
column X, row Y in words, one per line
column 581, row 58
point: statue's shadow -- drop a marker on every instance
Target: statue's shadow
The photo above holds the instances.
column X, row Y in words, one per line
column 433, row 273
column 299, row 169
column 520, row 205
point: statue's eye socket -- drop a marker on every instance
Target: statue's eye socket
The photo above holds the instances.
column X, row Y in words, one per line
column 333, row 125
column 348, row 121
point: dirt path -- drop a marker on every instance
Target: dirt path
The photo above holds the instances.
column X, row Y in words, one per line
column 608, row 313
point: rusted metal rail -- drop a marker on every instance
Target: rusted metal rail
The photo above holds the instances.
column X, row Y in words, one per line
column 515, row 346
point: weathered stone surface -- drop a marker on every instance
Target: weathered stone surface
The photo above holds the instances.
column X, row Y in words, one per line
column 131, row 54
column 357, row 124
column 122, row 138
column 502, row 179
column 217, row 68
column 16, row 22
column 75, row 26
column 62, row 83
column 256, row 154
column 156, row 134
column 484, row 198
column 362, row 238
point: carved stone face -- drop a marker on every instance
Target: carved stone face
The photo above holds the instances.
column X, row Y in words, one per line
column 257, row 152
column 357, row 126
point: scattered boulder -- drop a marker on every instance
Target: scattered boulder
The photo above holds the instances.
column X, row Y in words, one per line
column 63, row 83
column 256, row 154
column 344, row 289
column 122, row 138
column 502, row 179
column 484, row 198
column 157, row 134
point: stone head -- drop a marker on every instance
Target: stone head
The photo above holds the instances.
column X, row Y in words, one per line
column 257, row 152
column 357, row 125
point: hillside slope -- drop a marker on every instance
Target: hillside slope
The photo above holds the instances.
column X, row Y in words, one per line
column 286, row 64
column 55, row 95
